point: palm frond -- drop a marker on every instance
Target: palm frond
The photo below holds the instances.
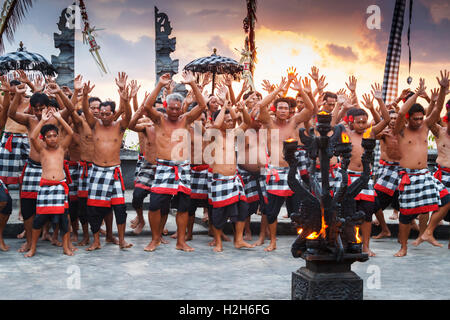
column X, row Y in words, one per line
column 13, row 11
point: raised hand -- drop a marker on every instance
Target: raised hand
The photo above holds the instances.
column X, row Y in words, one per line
column 297, row 84
column 53, row 88
column 351, row 85
column 434, row 94
column 189, row 98
column 367, row 101
column 165, row 79
column 122, row 81
column 267, row 86
column 87, row 88
column 404, row 93
column 245, row 86
column 444, row 81
column 21, row 88
column 314, row 74
column 47, row 114
column 321, row 83
column 240, row 106
column 78, row 83
column 188, row 77
column 206, row 79
column 341, row 92
column 421, row 88
column 306, row 85
column 38, row 83
column 222, row 92
column 56, row 114
column 50, row 79
column 5, row 84
column 125, row 93
column 228, row 80
column 134, row 88
column 377, row 91
column 291, row 75
column 23, row 76
column 283, row 83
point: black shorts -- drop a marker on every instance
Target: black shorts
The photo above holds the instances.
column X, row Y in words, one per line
column 56, row 219
column 238, row 212
column 97, row 214
column 163, row 202
column 407, row 218
column 139, row 194
column 276, row 202
column 82, row 210
column 369, row 208
column 197, row 203
column 73, row 210
column 28, row 208
column 384, row 200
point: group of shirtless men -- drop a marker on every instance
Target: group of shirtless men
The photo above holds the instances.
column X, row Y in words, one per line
column 63, row 149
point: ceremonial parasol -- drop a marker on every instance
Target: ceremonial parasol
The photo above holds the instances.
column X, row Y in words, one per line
column 216, row 65
column 28, row 61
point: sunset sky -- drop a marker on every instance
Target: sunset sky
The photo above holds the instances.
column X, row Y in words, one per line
column 329, row 34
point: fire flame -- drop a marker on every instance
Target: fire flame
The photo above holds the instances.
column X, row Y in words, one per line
column 358, row 238
column 316, row 235
column 345, row 138
column 367, row 133
column 299, row 231
column 290, row 140
column 323, row 113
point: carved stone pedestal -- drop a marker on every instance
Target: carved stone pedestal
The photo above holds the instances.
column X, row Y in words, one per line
column 326, row 280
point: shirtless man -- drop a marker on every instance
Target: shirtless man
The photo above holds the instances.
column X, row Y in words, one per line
column 442, row 135
column 365, row 200
column 277, row 186
column 15, row 146
column 106, row 187
column 173, row 170
column 33, row 170
column 52, row 200
column 228, row 198
column 388, row 178
column 419, row 191
column 251, row 170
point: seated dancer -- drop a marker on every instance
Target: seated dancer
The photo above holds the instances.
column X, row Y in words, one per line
column 366, row 199
column 442, row 135
column 106, row 187
column 52, row 199
column 276, row 179
column 228, row 198
column 172, row 164
column 419, row 191
column 33, row 170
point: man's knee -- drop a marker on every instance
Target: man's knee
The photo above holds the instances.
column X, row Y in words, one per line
column 139, row 195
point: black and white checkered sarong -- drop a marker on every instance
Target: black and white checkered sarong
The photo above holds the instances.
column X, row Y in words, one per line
column 226, row 190
column 146, row 175
column 172, row 177
column 366, row 194
column 83, row 179
column 52, row 197
column 420, row 192
column 106, row 186
column 253, row 182
column 72, row 180
column 199, row 182
column 30, row 179
column 14, row 150
column 277, row 181
column 388, row 178
column 139, row 164
column 303, row 162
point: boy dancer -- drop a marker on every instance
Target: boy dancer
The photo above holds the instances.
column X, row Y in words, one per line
column 52, row 200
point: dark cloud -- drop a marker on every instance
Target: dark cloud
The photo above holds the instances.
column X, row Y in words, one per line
column 345, row 53
column 222, row 46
